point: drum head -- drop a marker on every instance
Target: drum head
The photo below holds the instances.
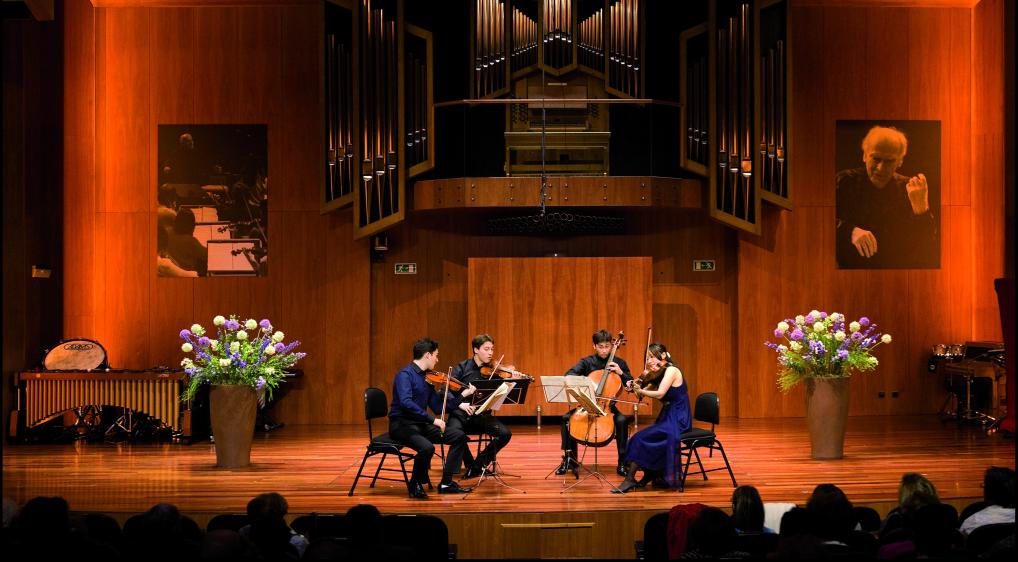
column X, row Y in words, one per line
column 75, row 355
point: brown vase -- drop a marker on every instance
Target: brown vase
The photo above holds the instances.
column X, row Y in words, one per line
column 233, row 410
column 827, row 416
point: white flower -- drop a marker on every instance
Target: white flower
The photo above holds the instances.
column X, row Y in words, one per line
column 814, row 313
column 854, row 326
column 234, row 347
column 197, row 330
column 886, row 338
column 187, row 348
column 873, row 361
column 782, row 348
column 270, row 350
column 225, row 362
column 250, row 324
column 219, row 320
column 278, row 337
column 800, row 319
column 818, row 326
column 269, row 370
column 214, row 344
column 187, row 363
column 783, row 326
column 795, row 346
column 839, row 335
column 835, row 317
column 241, row 335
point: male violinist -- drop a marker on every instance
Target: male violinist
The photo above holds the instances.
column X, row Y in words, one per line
column 412, row 425
column 468, row 371
column 598, row 361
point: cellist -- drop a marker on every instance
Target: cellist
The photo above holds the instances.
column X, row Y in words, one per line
column 597, row 361
column 468, row 371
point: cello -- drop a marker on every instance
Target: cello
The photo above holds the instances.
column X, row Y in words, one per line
column 590, row 428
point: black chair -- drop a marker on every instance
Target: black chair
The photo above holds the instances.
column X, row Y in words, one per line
column 654, row 545
column 707, row 409
column 227, row 522
column 316, row 526
column 758, row 545
column 427, row 536
column 867, row 518
column 376, row 405
column 982, row 538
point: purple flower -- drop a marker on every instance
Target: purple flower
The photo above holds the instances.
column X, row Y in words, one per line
column 842, row 354
column 817, row 347
column 810, row 319
column 260, row 383
column 232, row 325
column 265, row 323
column 265, row 343
column 203, row 341
column 823, row 315
column 797, row 334
column 280, row 347
column 185, row 334
column 856, row 336
column 864, row 321
column 204, row 356
column 289, row 347
column 190, row 372
column 778, row 333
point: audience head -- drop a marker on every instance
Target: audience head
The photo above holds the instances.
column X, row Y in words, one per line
column 364, row 524
column 795, row 521
column 225, row 544
column 998, row 486
column 711, row 532
column 184, row 222
column 935, row 529
column 267, row 506
column 830, row 512
column 915, row 491
column 45, row 517
column 747, row 510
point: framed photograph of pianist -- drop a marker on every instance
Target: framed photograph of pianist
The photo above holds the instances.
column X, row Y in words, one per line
column 888, row 194
column 213, row 196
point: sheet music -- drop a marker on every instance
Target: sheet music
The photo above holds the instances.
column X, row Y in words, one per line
column 555, row 387
column 496, row 399
column 585, row 402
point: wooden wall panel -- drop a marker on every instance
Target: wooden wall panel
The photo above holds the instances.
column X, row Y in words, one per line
column 877, row 63
column 542, row 311
column 300, row 126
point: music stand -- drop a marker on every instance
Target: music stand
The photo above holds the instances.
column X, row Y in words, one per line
column 573, row 389
column 492, row 403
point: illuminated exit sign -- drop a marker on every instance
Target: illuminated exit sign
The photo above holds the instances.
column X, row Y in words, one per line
column 406, row 269
column 703, row 265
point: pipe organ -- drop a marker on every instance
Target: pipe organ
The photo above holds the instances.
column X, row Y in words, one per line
column 340, row 172
column 625, row 48
column 591, row 45
column 557, row 33
column 523, row 53
column 488, row 46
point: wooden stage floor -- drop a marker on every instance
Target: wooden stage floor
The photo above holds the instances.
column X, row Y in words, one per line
column 314, row 466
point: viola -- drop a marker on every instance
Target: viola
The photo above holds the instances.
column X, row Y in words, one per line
column 438, row 380
column 504, row 373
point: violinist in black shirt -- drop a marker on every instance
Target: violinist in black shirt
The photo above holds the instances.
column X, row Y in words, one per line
column 468, row 372
column 598, row 360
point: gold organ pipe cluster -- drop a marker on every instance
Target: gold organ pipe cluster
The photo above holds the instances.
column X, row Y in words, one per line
column 591, row 44
column 47, row 395
column 624, row 47
column 524, row 41
column 734, row 97
column 772, row 122
column 557, row 19
column 340, row 171
column 416, row 84
column 696, row 111
column 489, row 47
column 379, row 114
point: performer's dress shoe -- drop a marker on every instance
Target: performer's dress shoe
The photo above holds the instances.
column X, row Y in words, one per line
column 621, row 469
column 417, row 491
column 647, row 478
column 568, row 463
column 626, row 485
column 453, row 488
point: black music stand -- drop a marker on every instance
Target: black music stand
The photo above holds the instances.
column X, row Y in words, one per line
column 577, row 390
column 516, row 394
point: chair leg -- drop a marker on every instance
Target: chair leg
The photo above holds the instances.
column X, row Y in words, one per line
column 727, row 465
column 356, row 478
column 700, row 463
column 378, row 470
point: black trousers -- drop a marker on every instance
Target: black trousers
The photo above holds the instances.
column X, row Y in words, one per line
column 621, row 433
column 421, row 437
column 486, row 424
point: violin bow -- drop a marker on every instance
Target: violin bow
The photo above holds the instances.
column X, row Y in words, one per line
column 495, row 368
column 445, row 398
column 646, row 359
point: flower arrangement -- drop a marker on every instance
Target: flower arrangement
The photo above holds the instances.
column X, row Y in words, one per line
column 821, row 345
column 248, row 353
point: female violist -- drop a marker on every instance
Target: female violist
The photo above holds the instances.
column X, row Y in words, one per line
column 653, row 449
column 597, row 361
column 469, row 371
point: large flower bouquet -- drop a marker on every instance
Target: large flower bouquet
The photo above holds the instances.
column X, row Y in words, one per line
column 821, row 345
column 248, row 353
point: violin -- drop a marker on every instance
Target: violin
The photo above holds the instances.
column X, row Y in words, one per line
column 504, row 373
column 438, row 380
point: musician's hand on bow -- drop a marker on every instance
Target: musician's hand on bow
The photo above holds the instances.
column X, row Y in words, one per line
column 439, row 423
column 630, row 385
column 467, row 408
column 614, row 367
column 470, row 389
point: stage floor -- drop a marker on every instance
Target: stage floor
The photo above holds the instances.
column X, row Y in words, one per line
column 314, row 466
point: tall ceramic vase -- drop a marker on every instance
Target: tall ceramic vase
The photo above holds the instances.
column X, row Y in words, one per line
column 827, row 416
column 233, row 410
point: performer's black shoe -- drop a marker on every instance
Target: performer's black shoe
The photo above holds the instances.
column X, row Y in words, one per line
column 453, row 488
column 568, row 463
column 621, row 469
column 626, row 485
column 417, row 491
column 647, row 478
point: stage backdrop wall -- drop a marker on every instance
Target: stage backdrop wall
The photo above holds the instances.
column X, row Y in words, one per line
column 851, row 62
column 128, row 69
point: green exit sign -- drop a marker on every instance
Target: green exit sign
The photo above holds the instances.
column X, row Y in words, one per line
column 406, row 269
column 703, row 265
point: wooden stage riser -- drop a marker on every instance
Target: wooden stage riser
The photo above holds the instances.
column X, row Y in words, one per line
column 314, row 466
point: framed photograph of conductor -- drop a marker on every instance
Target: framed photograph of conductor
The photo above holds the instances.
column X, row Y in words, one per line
column 887, row 213
column 213, row 195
